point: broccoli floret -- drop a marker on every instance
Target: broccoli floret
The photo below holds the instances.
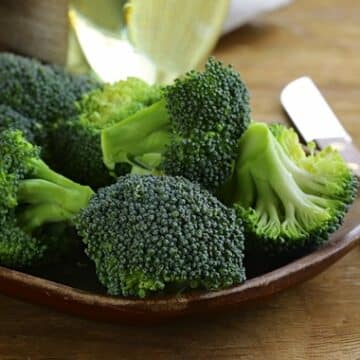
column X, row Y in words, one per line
column 150, row 233
column 11, row 119
column 289, row 201
column 18, row 248
column 191, row 132
column 97, row 110
column 38, row 91
column 31, row 194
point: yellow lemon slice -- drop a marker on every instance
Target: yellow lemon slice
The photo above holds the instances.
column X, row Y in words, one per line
column 175, row 35
column 155, row 40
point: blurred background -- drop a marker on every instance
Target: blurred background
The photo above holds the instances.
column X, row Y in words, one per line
column 156, row 40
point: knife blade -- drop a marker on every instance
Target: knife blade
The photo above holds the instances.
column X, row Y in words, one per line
column 315, row 120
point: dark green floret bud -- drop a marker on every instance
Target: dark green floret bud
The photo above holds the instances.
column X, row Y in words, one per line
column 12, row 120
column 18, row 248
column 41, row 92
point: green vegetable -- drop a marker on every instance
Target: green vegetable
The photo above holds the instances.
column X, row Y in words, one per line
column 150, row 233
column 158, row 229
column 97, row 110
column 18, row 248
column 288, row 200
column 192, row 131
column 31, row 194
column 11, row 119
column 38, row 91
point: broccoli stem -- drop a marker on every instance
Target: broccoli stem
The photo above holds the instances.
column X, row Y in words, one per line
column 306, row 181
column 144, row 132
column 49, row 196
column 147, row 164
column 276, row 185
column 299, row 210
column 38, row 191
column 40, row 170
column 37, row 215
column 267, row 205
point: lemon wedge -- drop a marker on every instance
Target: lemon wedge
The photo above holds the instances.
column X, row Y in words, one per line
column 175, row 35
column 155, row 40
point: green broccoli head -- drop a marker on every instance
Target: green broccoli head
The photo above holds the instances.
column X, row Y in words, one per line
column 97, row 110
column 38, row 91
column 150, row 233
column 193, row 130
column 11, row 119
column 213, row 100
column 31, row 194
column 17, row 247
column 289, row 201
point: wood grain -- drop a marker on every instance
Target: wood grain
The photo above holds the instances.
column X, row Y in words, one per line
column 35, row 28
column 317, row 320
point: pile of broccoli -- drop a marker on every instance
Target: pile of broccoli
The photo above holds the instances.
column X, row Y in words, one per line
column 167, row 186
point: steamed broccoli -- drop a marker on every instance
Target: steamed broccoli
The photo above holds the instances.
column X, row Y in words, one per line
column 11, row 119
column 192, row 132
column 39, row 91
column 97, row 110
column 150, row 233
column 289, row 201
column 31, row 194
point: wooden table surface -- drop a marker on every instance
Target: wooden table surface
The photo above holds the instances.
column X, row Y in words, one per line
column 317, row 320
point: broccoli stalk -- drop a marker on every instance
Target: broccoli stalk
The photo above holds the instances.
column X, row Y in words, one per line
column 191, row 132
column 121, row 143
column 49, row 196
column 288, row 200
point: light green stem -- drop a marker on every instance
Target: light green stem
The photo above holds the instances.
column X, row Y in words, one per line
column 145, row 131
column 38, row 215
column 38, row 191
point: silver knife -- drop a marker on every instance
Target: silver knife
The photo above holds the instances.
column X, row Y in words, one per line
column 315, row 120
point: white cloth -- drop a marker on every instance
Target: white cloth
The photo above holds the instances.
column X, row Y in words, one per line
column 241, row 11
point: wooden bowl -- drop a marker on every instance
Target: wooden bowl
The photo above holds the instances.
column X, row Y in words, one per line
column 93, row 303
